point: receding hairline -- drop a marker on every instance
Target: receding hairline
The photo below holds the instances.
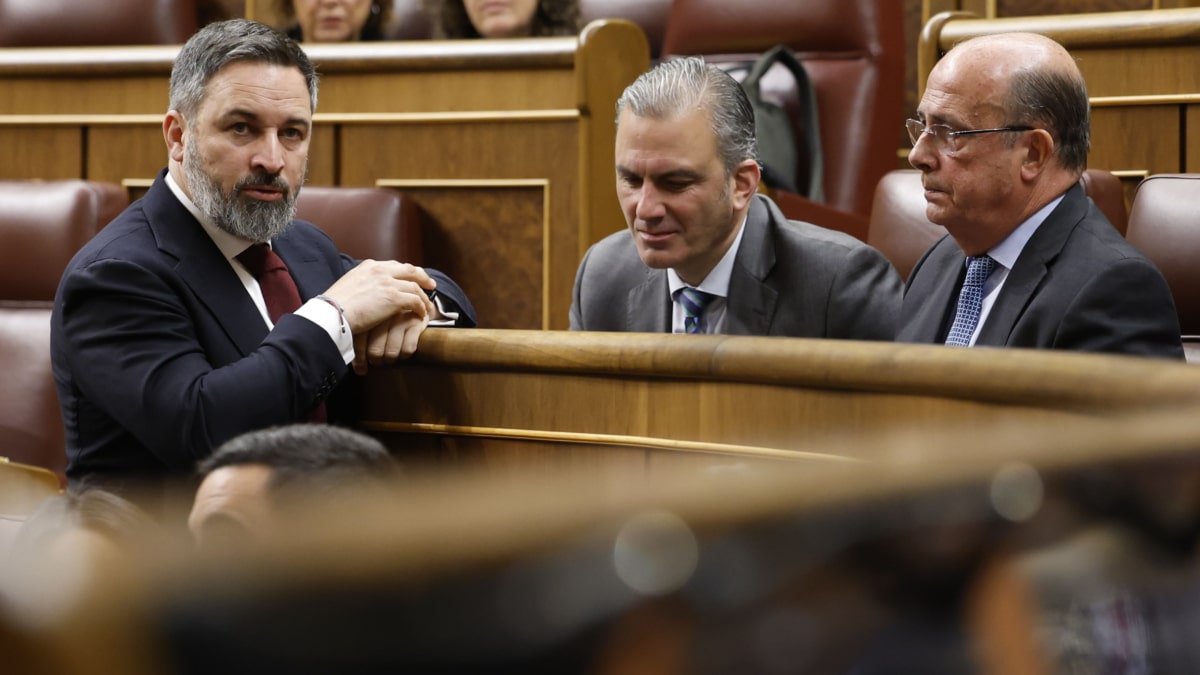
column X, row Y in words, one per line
column 1030, row 50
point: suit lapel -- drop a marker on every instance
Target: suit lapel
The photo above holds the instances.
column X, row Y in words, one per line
column 751, row 304
column 933, row 309
column 1031, row 268
column 308, row 269
column 649, row 305
column 203, row 268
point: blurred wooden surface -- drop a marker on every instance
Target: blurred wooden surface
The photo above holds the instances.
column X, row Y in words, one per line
column 507, row 145
column 444, row 554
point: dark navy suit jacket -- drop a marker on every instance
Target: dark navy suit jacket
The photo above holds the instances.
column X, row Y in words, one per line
column 1077, row 285
column 160, row 355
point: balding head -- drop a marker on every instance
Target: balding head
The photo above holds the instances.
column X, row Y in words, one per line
column 1035, row 82
column 1010, row 114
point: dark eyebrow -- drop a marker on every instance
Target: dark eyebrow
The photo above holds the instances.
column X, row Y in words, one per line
column 237, row 113
column 674, row 174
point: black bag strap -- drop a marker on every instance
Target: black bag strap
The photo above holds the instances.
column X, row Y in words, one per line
column 808, row 104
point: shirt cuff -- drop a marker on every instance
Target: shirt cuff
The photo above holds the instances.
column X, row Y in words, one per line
column 441, row 316
column 329, row 319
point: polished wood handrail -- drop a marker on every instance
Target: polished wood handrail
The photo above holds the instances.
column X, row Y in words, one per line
column 1000, row 376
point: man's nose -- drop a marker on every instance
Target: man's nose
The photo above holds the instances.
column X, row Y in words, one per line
column 269, row 154
column 650, row 203
column 922, row 155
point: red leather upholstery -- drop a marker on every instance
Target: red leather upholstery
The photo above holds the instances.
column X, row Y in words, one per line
column 409, row 21
column 854, row 53
column 1164, row 223
column 63, row 23
column 41, row 226
column 1105, row 189
column 651, row 15
column 899, row 228
column 900, row 231
column 376, row 223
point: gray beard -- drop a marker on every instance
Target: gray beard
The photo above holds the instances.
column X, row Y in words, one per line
column 251, row 219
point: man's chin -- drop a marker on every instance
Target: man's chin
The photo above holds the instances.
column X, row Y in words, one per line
column 657, row 259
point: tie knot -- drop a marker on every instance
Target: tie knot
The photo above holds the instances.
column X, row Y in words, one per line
column 978, row 270
column 693, row 302
column 259, row 259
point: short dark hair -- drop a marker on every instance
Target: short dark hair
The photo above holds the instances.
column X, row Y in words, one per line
column 373, row 28
column 1056, row 100
column 220, row 44
column 306, row 457
column 552, row 17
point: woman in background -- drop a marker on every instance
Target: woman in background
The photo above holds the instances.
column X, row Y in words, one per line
column 465, row 19
column 335, row 20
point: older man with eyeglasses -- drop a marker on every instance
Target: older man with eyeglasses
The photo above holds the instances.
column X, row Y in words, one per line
column 1030, row 261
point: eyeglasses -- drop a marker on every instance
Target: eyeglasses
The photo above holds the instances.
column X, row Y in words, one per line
column 945, row 136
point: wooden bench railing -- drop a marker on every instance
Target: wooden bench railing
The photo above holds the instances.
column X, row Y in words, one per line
column 649, row 401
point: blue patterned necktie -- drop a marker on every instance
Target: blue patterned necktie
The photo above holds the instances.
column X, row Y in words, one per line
column 970, row 301
column 694, row 301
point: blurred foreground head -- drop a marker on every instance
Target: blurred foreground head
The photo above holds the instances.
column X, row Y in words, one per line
column 252, row 479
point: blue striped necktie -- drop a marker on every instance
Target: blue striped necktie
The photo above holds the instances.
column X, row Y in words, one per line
column 970, row 301
column 694, row 301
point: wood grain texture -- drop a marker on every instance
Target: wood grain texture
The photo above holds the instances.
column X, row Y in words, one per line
column 57, row 152
column 493, row 236
column 672, row 394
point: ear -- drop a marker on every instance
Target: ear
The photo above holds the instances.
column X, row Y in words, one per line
column 1039, row 152
column 745, row 183
column 174, row 127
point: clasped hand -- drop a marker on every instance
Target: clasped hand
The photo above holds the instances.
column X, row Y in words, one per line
column 387, row 309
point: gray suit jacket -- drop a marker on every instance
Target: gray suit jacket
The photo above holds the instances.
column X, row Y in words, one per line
column 1077, row 285
column 789, row 278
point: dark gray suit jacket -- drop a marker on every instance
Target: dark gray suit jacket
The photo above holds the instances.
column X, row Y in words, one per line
column 1077, row 285
column 789, row 278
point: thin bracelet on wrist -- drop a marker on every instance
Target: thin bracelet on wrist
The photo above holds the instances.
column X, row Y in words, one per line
column 338, row 306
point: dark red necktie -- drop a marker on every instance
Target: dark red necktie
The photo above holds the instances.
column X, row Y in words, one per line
column 278, row 291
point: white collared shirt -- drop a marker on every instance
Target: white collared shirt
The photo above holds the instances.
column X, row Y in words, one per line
column 716, row 283
column 1005, row 254
column 319, row 312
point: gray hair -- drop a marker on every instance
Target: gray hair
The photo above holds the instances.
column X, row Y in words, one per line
column 1057, row 100
column 219, row 44
column 681, row 85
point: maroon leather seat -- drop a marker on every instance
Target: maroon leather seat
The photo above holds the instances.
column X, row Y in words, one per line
column 41, row 226
column 409, row 21
column 853, row 51
column 651, row 15
column 376, row 223
column 1164, row 223
column 902, row 233
column 66, row 23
